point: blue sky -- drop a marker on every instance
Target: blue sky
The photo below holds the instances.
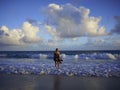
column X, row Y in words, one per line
column 66, row 24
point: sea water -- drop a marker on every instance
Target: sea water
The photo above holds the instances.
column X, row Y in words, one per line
column 75, row 63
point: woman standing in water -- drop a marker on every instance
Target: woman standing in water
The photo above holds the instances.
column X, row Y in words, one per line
column 57, row 58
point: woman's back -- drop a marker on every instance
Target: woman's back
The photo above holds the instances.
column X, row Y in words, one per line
column 56, row 55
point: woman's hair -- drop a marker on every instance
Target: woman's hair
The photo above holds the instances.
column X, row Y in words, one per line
column 56, row 49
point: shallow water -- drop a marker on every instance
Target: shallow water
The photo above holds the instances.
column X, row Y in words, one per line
column 96, row 68
column 56, row 82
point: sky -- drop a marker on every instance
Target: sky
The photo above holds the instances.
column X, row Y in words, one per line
column 37, row 25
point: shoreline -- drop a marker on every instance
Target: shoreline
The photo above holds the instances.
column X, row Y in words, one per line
column 96, row 70
column 46, row 67
column 57, row 82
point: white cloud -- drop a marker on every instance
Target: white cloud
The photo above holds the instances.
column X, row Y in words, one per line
column 50, row 30
column 70, row 21
column 27, row 34
column 54, row 6
column 67, row 27
column 115, row 40
column 103, row 43
column 4, row 28
column 9, row 37
column 30, row 33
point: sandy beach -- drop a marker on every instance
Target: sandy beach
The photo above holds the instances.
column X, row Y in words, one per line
column 59, row 44
column 56, row 82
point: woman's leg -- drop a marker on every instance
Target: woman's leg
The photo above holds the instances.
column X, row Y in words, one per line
column 55, row 63
column 58, row 64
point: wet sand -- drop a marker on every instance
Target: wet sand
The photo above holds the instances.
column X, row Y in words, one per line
column 55, row 82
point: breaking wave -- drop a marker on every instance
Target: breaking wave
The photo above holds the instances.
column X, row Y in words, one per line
column 83, row 56
column 98, row 64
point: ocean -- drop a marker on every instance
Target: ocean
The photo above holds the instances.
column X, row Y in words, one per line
column 75, row 63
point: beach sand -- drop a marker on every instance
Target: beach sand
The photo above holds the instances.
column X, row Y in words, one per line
column 56, row 82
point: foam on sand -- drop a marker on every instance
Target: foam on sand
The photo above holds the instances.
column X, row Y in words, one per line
column 96, row 68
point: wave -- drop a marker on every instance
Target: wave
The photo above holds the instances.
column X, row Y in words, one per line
column 100, row 64
column 83, row 56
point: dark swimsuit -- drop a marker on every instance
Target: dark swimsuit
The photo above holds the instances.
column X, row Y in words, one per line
column 56, row 57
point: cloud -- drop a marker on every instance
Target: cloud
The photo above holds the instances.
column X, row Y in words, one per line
column 116, row 29
column 103, row 43
column 54, row 6
column 99, row 42
column 69, row 21
column 115, row 40
column 26, row 34
column 30, row 33
column 9, row 37
column 66, row 27
column 33, row 22
column 53, row 33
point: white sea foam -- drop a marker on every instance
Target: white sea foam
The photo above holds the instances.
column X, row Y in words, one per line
column 76, row 56
column 43, row 56
column 74, row 63
column 63, row 55
column 111, row 56
column 71, row 56
column 68, row 68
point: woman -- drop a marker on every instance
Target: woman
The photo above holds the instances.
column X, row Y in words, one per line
column 57, row 58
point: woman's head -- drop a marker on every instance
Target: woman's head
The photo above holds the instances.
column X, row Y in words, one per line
column 56, row 49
